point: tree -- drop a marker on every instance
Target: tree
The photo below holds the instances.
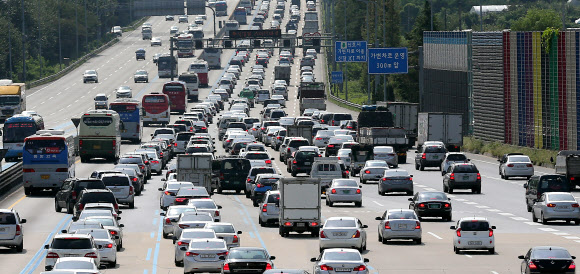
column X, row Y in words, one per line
column 538, row 20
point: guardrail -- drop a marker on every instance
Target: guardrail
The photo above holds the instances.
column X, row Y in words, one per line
column 342, row 101
column 11, row 176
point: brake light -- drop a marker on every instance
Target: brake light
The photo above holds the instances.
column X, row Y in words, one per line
column 180, row 200
column 74, row 195
column 268, row 161
column 458, row 232
column 62, row 169
column 572, row 266
column 452, row 176
column 314, row 224
column 333, row 191
column 367, row 171
column 52, row 255
column 80, row 143
column 81, row 206
column 114, row 205
column 287, row 224
column 478, row 176
column 422, row 205
column 326, row 267
column 161, row 154
column 531, row 265
column 318, row 138
column 168, row 221
column 490, row 232
column 28, row 170
column 357, row 234
column 268, row 266
column 265, row 208
column 167, row 192
column 575, row 205
column 322, row 121
column 259, row 185
column 113, row 232
column 221, row 176
column 226, row 267
column 263, row 128
column 330, row 145
column 18, row 230
column 510, row 165
column 551, row 205
column 183, row 226
column 447, row 205
column 387, row 225
column 217, row 213
column 529, row 165
column 114, row 143
column 410, row 178
column 424, row 156
column 360, row 268
column 91, row 255
column 417, row 225
column 135, row 179
column 279, row 138
column 147, row 162
column 349, row 127
column 131, row 189
column 294, row 162
column 109, row 246
column 188, row 254
column 236, row 239
column 223, row 254
column 358, row 191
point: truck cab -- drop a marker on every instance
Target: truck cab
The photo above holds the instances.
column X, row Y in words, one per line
column 12, row 98
column 325, row 169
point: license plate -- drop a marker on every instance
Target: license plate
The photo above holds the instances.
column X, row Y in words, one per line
column 346, row 191
column 338, row 233
column 154, row 119
column 300, row 224
column 474, row 242
column 96, row 146
column 465, row 177
column 307, row 163
column 207, row 256
column 343, row 269
column 402, row 226
column 562, row 207
column 435, row 157
column 434, row 206
column 44, row 177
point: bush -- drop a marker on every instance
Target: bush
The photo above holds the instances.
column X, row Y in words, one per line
column 539, row 157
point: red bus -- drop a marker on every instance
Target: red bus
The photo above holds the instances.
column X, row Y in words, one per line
column 156, row 108
column 201, row 68
column 177, row 93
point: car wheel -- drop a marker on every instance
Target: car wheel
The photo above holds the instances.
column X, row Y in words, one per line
column 176, row 262
column 534, row 218
column 69, row 208
column 528, row 207
column 113, row 264
column 448, row 218
column 27, row 191
column 330, row 204
column 421, row 168
column 220, row 190
column 255, row 203
column 238, row 191
column 418, row 241
column 492, row 250
column 57, row 208
column 416, row 166
column 543, row 220
column 294, row 173
column 384, row 240
column 363, row 181
column 165, row 235
column 320, row 249
column 358, row 204
column 395, row 166
column 132, row 205
column 260, row 222
column 20, row 247
column 450, row 190
column 577, row 222
column 456, row 250
column 445, row 189
column 247, row 193
column 380, row 238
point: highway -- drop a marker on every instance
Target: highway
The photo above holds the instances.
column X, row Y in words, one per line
column 145, row 251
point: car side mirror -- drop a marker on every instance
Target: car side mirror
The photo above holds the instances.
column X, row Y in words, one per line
column 410, row 199
column 358, row 186
column 183, row 248
column 150, row 159
column 452, row 227
column 448, row 199
column 411, row 175
column 63, row 231
column 499, row 160
column 117, row 237
column 239, row 232
column 366, row 260
column 468, row 160
column 492, row 227
column 160, row 189
column 219, row 207
column 46, row 246
column 551, row 159
column 378, row 218
column 75, row 219
column 272, row 257
column 365, row 226
column 573, row 257
column 222, row 258
column 162, row 214
column 23, row 221
column 121, row 225
column 416, row 151
column 118, row 218
column 521, row 257
column 272, row 159
column 313, row 259
column 525, row 185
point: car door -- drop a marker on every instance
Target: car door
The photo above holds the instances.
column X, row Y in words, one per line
column 63, row 193
column 418, row 155
column 363, row 231
column 539, row 205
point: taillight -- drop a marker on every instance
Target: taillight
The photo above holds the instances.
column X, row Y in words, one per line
column 333, row 191
column 314, row 224
column 109, row 246
column 168, row 221
column 80, row 143
column 360, row 268
column 135, row 179
column 330, row 145
column 422, row 205
column 279, row 138
column 287, row 224
column 81, row 206
column 265, row 208
column 424, row 156
column 52, row 255
column 531, row 265
column 575, row 205
column 268, row 161
column 551, row 205
column 259, row 185
column 572, row 266
column 203, row 128
column 114, row 143
column 510, row 165
column 458, row 232
column 367, row 171
column 446, row 205
column 62, row 169
column 452, row 176
column 387, row 225
column 358, row 191
column 236, row 239
column 18, row 230
column 74, row 195
column 529, row 165
column 318, row 138
column 248, row 180
column 191, row 254
column 417, row 225
column 180, row 243
column 294, row 162
column 113, row 232
column 161, row 154
column 221, row 176
column 167, row 192
column 322, row 235
column 478, row 176
column 223, row 254
column 91, row 255
column 28, row 170
column 326, row 267
column 114, row 205
column 217, row 213
column 131, row 189
column 490, row 232
column 183, row 226
column 226, row 267
column 180, row 200
column 147, row 162
column 356, row 234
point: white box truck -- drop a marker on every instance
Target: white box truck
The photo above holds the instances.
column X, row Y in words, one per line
column 299, row 206
column 196, row 168
column 405, row 115
column 444, row 127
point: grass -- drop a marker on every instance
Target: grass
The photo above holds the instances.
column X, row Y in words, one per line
column 539, row 157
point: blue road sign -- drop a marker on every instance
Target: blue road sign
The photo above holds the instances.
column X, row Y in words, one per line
column 350, row 51
column 337, row 77
column 388, row 61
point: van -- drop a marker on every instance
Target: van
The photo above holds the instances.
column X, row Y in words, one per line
column 326, row 169
column 122, row 189
column 538, row 184
column 94, row 196
column 232, row 173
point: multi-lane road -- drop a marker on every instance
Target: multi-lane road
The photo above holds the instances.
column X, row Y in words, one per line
column 145, row 251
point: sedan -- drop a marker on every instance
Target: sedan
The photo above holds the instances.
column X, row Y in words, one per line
column 431, row 204
column 105, row 243
column 399, row 224
column 171, row 217
column 155, row 41
column 191, row 220
column 344, row 191
column 547, row 259
column 75, row 265
column 207, row 205
column 340, row 260
column 556, row 206
column 110, row 223
column 204, row 255
column 396, row 180
column 141, row 76
column 124, row 92
column 174, row 30
column 346, row 232
column 516, row 166
column 373, row 170
column 247, row 260
column 188, row 235
column 169, row 190
column 226, row 231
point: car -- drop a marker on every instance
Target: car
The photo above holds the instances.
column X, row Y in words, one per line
column 122, row 188
column 154, row 161
column 247, row 260
column 387, row 154
column 373, row 170
column 90, row 75
column 156, row 41
column 191, row 220
column 269, row 208
column 66, row 197
column 556, row 206
column 182, row 19
column 117, row 30
column 94, row 196
column 345, row 232
column 340, row 260
column 198, row 20
column 188, row 235
column 473, row 233
column 204, row 255
column 547, row 259
column 462, row 176
column 429, row 156
column 395, row 180
column 112, row 224
column 105, row 241
column 344, row 191
column 105, row 212
column 335, row 142
column 431, row 204
column 227, row 232
column 173, row 30
column 263, row 183
column 285, row 270
column 540, row 184
column 185, row 193
column 76, row 265
column 171, row 216
column 168, row 192
column 71, row 245
column 515, row 166
column 322, row 137
column 123, row 92
column 169, row 18
column 208, row 206
column 344, row 157
column 156, row 57
column 452, row 158
column 399, row 224
column 311, row 52
column 141, row 76
column 302, row 161
column 12, row 229
column 258, row 158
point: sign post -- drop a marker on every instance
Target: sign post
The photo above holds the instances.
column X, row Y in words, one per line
column 388, row 61
column 350, row 51
column 336, row 77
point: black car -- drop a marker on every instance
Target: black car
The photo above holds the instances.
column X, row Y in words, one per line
column 94, row 196
column 71, row 188
column 262, row 61
column 538, row 184
column 247, row 260
column 431, row 204
column 547, row 259
column 232, row 173
column 178, row 127
column 302, row 162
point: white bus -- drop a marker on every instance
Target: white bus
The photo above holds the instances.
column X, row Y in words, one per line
column 213, row 57
column 100, row 135
column 191, row 84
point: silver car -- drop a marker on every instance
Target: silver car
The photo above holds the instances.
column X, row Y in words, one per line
column 556, row 206
column 396, row 180
column 171, row 217
column 399, row 224
column 516, row 166
column 344, row 157
column 207, row 205
column 340, row 260
column 204, row 255
column 168, row 192
column 122, row 188
column 105, row 243
column 344, row 191
column 346, row 232
column 187, row 235
column 227, row 232
column 387, row 154
column 322, row 137
column 452, row 158
column 71, row 245
column 191, row 220
column 112, row 225
column 373, row 170
column 11, row 230
column 270, row 208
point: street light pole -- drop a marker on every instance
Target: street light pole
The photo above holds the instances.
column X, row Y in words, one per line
column 368, row 75
column 23, row 44
column 59, row 40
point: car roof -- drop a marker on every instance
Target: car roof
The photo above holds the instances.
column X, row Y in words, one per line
column 469, row 219
column 70, row 235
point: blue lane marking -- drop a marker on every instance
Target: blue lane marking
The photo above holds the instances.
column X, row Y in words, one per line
column 43, row 251
column 148, row 254
column 145, row 271
column 155, row 221
column 160, row 231
column 252, row 223
column 155, row 258
column 147, row 87
column 252, row 234
column 372, row 268
column 152, row 235
column 246, row 221
column 54, row 231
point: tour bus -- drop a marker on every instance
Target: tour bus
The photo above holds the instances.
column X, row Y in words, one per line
column 231, row 25
column 213, row 57
column 12, row 98
column 201, row 68
column 131, row 114
column 247, row 4
column 165, row 64
column 48, row 158
column 240, row 15
column 100, row 135
column 221, row 8
column 192, row 85
column 185, row 45
column 156, row 106
column 16, row 129
column 177, row 96
column 196, row 32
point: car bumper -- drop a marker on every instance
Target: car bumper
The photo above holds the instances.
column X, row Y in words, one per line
column 432, row 163
column 566, row 215
column 167, row 201
column 370, row 176
column 433, row 212
column 108, row 254
column 269, row 217
column 126, row 200
column 167, row 228
column 12, row 242
column 191, row 265
column 179, row 254
column 401, row 234
column 344, row 197
column 345, row 243
column 464, row 185
column 474, row 243
column 396, row 187
column 519, row 172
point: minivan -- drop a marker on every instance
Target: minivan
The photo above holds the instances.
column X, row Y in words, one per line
column 232, row 173
column 120, row 185
column 539, row 184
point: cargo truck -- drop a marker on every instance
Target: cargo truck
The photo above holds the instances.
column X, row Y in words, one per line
column 312, row 95
column 386, row 136
column 438, row 126
column 405, row 115
column 12, row 98
column 299, row 206
column 282, row 72
column 146, row 33
column 240, row 15
column 197, row 169
column 568, row 164
column 360, row 154
column 300, row 131
column 310, row 15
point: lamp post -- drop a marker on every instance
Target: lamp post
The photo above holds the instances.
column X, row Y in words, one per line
column 368, row 38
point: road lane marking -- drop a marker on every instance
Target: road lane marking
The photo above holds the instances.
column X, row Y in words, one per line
column 505, row 214
column 40, row 253
column 148, row 254
column 561, row 233
column 519, row 218
column 471, row 203
column 531, row 223
column 468, row 256
column 435, row 235
column 493, row 210
column 547, row 229
column 377, row 203
column 482, row 206
column 15, row 203
column 572, row 237
column 494, row 272
column 252, row 223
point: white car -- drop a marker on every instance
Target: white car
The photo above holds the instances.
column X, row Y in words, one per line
column 12, row 230
column 90, row 75
column 280, row 98
column 345, row 232
column 258, row 158
column 344, row 191
column 71, row 245
column 105, row 242
column 204, row 255
column 191, row 220
column 516, row 166
column 168, row 192
column 188, row 235
column 340, row 260
column 399, row 224
column 473, row 233
column 322, row 137
column 171, row 217
column 156, row 41
column 452, row 158
column 207, row 205
column 343, row 155
column 227, row 232
column 77, row 265
column 124, row 92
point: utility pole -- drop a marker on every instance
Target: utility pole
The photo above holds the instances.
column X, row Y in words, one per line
column 345, row 73
column 23, row 44
column 10, row 48
column 39, row 41
column 368, row 75
column 385, row 79
column 431, row 13
column 376, row 12
column 59, row 36
column 86, row 29
column 480, row 16
column 77, row 28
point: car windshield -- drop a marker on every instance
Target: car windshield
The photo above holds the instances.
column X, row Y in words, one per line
column 104, row 221
column 456, row 157
column 465, row 169
column 401, row 215
column 222, row 228
column 550, row 253
column 116, row 181
column 519, row 159
column 204, row 204
column 554, row 183
column 396, row 173
column 173, row 211
column 74, row 265
column 345, row 183
column 555, row 197
column 247, row 254
column 325, row 133
column 341, row 256
column 195, row 217
column 434, row 149
column 376, row 164
column 432, row 196
column 340, row 223
column 71, row 243
column 257, row 156
column 98, row 234
column 196, row 234
column 191, row 192
column 207, row 245
column 474, row 225
column 255, row 148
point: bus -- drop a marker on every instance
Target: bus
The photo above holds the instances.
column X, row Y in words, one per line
column 165, row 64
column 15, row 130
column 156, row 107
column 177, row 96
column 201, row 68
column 197, row 33
column 185, row 45
column 100, row 135
column 48, row 158
column 213, row 57
column 130, row 111
column 191, row 84
column 247, row 5
column 231, row 25
column 221, row 8
column 240, row 15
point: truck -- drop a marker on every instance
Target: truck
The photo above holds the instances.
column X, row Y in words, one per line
column 300, row 206
column 146, row 33
column 12, row 98
column 395, row 137
column 296, row 2
column 439, row 126
column 300, row 131
column 568, row 164
column 312, row 95
column 310, row 15
column 360, row 154
column 197, row 169
column 282, row 72
column 405, row 115
column 240, row 15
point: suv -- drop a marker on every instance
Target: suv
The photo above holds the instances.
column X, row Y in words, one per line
column 120, row 185
column 66, row 197
column 292, row 146
column 539, row 184
column 11, row 227
column 94, row 196
column 90, row 76
column 453, row 158
column 302, row 162
column 337, row 117
column 473, row 233
column 71, row 245
column 429, row 156
column 462, row 176
column 232, row 173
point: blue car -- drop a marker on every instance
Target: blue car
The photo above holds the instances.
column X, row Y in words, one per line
column 264, row 182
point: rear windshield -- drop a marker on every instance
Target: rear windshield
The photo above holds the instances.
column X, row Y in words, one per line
column 197, row 149
column 339, row 117
column 342, row 256
column 163, row 131
column 104, row 221
column 345, row 183
column 274, row 198
column 550, row 254
column 176, row 211
column 408, row 215
column 184, row 136
column 465, row 169
column 434, row 150
column 255, row 148
column 475, row 226
column 257, row 171
column 74, row 265
column 116, row 181
column 277, row 114
column 207, row 245
column 306, row 155
column 553, row 184
column 235, row 165
column 432, row 196
column 561, row 197
column 191, row 192
column 247, row 254
column 327, row 167
column 267, row 124
column 204, row 204
column 237, row 125
column 222, row 228
column 130, row 161
column 99, row 197
column 71, row 243
column 456, row 157
column 202, row 217
column 7, row 219
column 519, row 159
column 298, row 143
column 197, row 234
column 97, row 233
column 257, row 156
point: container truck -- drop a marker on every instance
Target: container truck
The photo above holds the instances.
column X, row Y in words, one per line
column 405, row 116
column 197, row 169
column 312, row 95
column 386, row 136
column 300, row 131
column 282, row 72
column 12, row 98
column 438, row 126
column 299, row 206
column 568, row 164
column 240, row 15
